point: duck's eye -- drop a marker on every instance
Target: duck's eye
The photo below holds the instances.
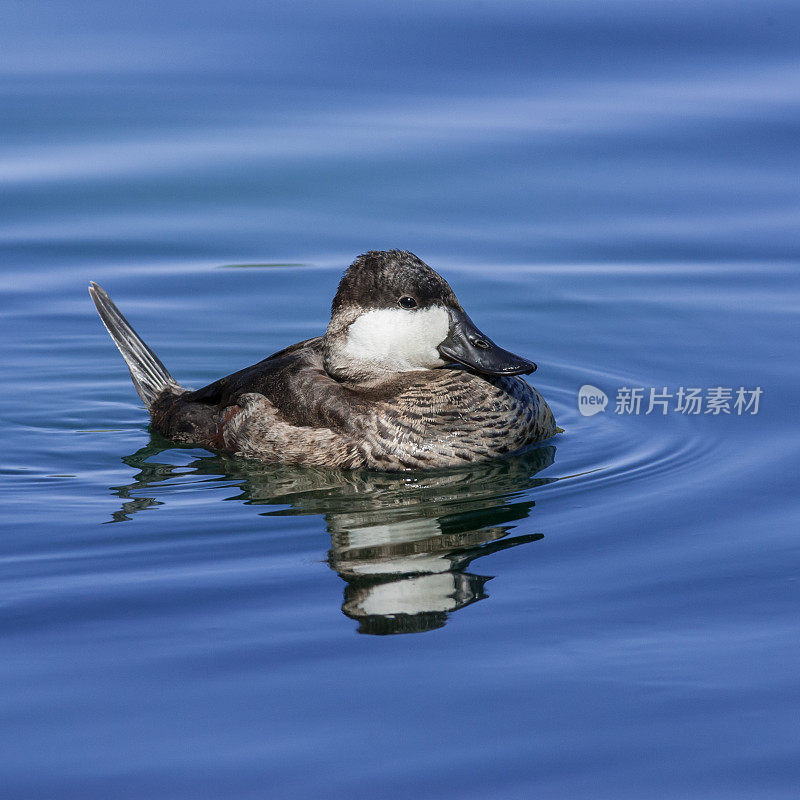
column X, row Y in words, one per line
column 407, row 302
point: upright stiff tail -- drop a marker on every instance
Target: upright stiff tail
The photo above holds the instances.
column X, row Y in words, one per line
column 150, row 376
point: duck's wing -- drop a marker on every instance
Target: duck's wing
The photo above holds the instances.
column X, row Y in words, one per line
column 255, row 378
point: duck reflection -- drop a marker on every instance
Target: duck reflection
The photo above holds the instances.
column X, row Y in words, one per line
column 401, row 542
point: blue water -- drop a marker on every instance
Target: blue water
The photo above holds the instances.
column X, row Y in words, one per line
column 612, row 190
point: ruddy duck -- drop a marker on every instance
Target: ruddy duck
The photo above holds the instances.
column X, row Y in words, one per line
column 401, row 379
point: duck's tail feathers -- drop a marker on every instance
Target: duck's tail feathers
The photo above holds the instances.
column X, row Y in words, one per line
column 150, row 376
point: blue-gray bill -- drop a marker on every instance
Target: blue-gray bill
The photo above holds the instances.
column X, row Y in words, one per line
column 466, row 345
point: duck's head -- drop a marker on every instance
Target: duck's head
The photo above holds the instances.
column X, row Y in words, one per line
column 393, row 313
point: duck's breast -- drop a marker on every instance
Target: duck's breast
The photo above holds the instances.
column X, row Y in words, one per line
column 449, row 417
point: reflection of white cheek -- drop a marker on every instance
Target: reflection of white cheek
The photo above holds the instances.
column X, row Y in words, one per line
column 398, row 339
column 410, row 596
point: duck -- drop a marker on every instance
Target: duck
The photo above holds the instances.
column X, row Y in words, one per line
column 402, row 379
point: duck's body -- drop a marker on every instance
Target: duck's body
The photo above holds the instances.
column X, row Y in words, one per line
column 288, row 409
column 363, row 395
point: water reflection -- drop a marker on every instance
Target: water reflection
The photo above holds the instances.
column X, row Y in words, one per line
column 401, row 542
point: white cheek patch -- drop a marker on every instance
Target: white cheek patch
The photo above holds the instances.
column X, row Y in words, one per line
column 397, row 339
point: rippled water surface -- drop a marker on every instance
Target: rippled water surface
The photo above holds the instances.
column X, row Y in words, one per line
column 612, row 190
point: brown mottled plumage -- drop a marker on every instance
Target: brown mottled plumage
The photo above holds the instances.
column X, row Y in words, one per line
column 342, row 400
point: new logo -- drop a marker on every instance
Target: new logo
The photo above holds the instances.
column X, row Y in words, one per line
column 591, row 400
